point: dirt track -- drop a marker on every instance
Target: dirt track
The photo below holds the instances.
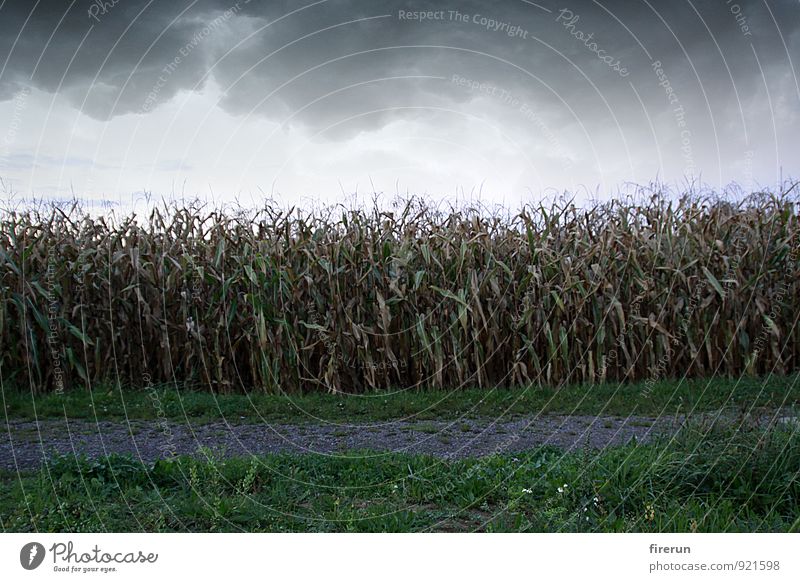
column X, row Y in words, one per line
column 24, row 444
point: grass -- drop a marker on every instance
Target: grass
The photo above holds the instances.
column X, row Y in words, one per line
column 710, row 480
column 663, row 397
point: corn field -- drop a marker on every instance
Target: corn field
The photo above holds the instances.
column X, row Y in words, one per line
column 357, row 300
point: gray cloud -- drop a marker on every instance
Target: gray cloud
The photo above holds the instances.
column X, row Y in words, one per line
column 341, row 67
column 110, row 64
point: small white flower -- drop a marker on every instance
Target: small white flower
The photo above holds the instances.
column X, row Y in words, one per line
column 527, row 490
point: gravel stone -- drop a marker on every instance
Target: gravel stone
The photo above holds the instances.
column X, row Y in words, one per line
column 24, row 444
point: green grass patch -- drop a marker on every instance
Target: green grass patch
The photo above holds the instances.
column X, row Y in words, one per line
column 663, row 397
column 708, row 480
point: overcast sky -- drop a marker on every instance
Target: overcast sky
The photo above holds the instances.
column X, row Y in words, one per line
column 306, row 100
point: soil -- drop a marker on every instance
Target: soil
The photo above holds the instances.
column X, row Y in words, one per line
column 24, row 444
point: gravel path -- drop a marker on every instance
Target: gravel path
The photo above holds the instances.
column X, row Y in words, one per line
column 23, row 444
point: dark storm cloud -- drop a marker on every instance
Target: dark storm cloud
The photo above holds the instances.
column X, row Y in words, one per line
column 369, row 61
